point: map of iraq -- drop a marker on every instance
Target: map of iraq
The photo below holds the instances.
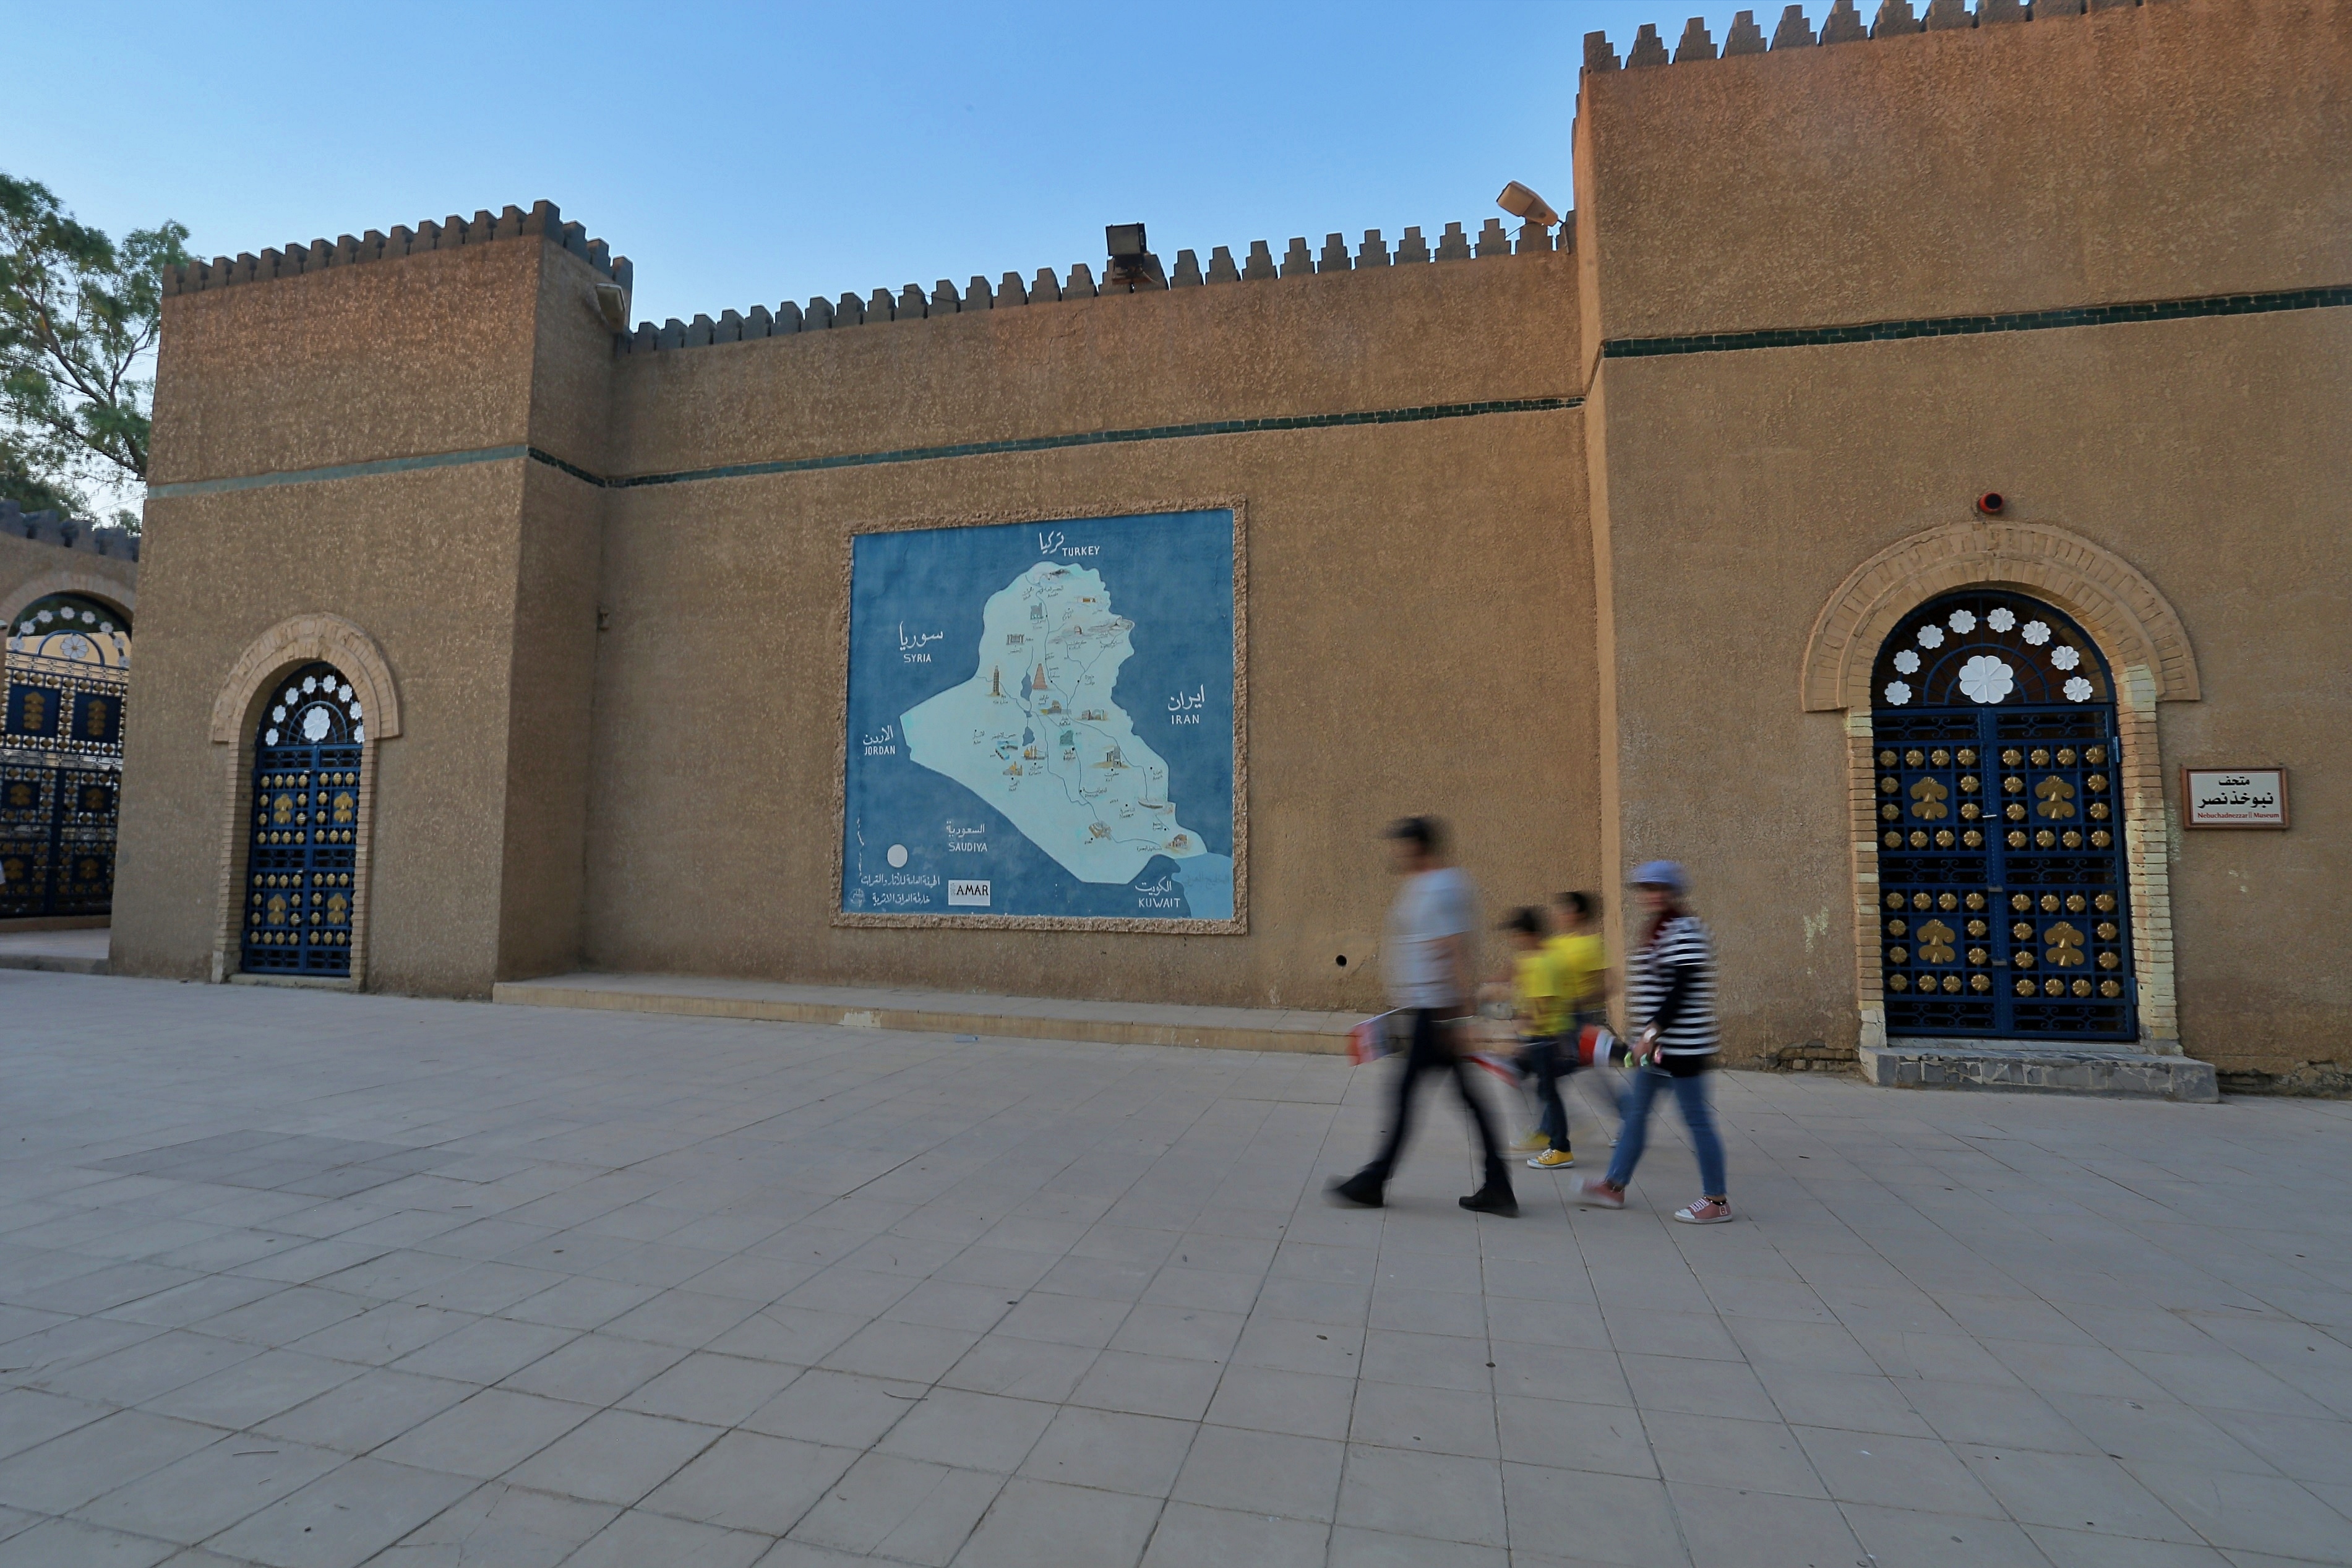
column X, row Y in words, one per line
column 1035, row 732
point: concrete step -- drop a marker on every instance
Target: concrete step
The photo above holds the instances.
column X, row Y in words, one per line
column 942, row 1012
column 55, row 947
column 2117, row 1070
column 53, row 963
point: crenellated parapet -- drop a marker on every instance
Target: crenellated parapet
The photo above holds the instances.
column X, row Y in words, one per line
column 542, row 221
column 66, row 533
column 1843, row 25
column 912, row 302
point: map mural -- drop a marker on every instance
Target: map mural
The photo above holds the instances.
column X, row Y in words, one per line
column 1041, row 720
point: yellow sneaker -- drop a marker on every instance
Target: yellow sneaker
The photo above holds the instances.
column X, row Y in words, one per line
column 1533, row 1142
column 1553, row 1160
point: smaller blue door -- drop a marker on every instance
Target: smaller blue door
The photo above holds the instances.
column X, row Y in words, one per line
column 303, row 846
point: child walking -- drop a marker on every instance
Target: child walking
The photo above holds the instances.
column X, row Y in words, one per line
column 1540, row 1002
column 1580, row 962
column 1672, row 1000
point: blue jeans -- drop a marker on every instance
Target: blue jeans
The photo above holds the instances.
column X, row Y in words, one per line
column 1690, row 1094
column 1545, row 1058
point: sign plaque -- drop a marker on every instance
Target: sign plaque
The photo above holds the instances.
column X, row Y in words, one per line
column 2233, row 797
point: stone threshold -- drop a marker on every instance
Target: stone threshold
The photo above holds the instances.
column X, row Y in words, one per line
column 53, row 963
column 2120, row 1070
column 942, row 1012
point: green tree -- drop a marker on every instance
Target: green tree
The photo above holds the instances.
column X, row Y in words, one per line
column 79, row 314
column 28, row 489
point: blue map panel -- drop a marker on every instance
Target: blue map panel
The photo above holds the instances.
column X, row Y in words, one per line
column 1041, row 720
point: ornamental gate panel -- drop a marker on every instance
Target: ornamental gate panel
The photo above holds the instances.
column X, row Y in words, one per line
column 303, row 848
column 2004, row 907
column 61, row 756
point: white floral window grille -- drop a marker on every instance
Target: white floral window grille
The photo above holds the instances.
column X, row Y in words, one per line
column 1989, row 648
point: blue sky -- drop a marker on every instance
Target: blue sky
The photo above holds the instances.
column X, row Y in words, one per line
column 747, row 153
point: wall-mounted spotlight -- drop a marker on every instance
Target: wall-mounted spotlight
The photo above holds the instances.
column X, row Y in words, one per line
column 1522, row 203
column 1132, row 265
column 613, row 305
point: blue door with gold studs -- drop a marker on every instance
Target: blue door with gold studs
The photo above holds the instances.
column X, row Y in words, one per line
column 61, row 755
column 303, row 847
column 2002, row 907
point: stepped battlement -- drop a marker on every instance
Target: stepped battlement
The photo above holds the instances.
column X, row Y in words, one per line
column 66, row 533
column 912, row 302
column 543, row 221
column 1843, row 25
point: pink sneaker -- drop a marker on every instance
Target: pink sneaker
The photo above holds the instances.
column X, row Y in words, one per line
column 1598, row 1193
column 1705, row 1211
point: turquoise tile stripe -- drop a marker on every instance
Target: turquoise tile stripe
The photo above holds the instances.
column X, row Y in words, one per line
column 1110, row 437
column 341, row 471
column 867, row 459
column 1615, row 349
column 1970, row 326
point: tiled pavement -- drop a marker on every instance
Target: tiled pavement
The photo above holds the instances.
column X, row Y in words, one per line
column 300, row 1279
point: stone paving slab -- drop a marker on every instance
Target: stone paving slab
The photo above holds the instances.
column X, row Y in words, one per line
column 942, row 1012
column 290, row 1277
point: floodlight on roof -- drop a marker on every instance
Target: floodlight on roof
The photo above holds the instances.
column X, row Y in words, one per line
column 1522, row 203
column 1132, row 265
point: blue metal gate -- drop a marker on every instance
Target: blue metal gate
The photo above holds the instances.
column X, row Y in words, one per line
column 303, row 853
column 2004, row 907
column 61, row 756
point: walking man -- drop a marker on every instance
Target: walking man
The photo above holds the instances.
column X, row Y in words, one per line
column 1428, row 962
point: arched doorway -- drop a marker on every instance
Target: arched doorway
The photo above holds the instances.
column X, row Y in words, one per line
column 2004, row 907
column 302, row 856
column 69, row 658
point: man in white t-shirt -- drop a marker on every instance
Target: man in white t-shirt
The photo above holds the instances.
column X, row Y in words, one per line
column 1429, row 964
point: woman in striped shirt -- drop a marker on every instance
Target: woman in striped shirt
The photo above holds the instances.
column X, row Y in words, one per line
column 1671, row 994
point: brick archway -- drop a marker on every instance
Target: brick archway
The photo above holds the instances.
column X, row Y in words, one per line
column 289, row 644
column 299, row 640
column 2145, row 646
column 2135, row 625
column 40, row 585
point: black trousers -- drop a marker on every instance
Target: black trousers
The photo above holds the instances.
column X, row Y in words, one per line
column 1432, row 1051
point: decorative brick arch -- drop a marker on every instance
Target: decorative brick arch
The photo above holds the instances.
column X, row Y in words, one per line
column 2145, row 647
column 298, row 641
column 286, row 645
column 2135, row 625
column 40, row 585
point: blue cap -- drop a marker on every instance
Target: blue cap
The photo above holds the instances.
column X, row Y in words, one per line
column 1660, row 874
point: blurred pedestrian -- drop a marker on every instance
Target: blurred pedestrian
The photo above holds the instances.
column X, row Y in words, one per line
column 1428, row 962
column 1539, row 993
column 1671, row 997
column 1581, row 955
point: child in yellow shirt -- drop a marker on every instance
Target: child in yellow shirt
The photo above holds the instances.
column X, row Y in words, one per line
column 1582, row 958
column 1543, row 1002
